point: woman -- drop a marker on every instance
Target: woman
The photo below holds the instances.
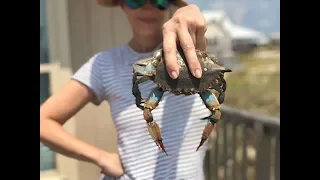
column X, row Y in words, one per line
column 108, row 76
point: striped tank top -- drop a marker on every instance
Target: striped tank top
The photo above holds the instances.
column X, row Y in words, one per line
column 109, row 75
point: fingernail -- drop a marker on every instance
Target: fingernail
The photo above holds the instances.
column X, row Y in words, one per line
column 174, row 75
column 197, row 73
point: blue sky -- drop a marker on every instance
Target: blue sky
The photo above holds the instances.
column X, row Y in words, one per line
column 262, row 15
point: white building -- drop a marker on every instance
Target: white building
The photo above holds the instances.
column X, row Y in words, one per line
column 219, row 42
column 275, row 38
column 238, row 34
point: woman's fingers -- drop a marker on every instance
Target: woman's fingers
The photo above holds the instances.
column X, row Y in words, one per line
column 188, row 27
column 188, row 46
column 170, row 50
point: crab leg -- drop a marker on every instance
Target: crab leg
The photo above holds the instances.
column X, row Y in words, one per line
column 135, row 90
column 222, row 93
column 151, row 103
column 212, row 103
column 135, row 77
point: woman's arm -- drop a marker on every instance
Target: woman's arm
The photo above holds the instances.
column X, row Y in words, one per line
column 55, row 112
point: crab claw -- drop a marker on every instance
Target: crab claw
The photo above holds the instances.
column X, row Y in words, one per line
column 225, row 69
column 154, row 129
column 155, row 132
column 212, row 103
column 206, row 133
column 214, row 68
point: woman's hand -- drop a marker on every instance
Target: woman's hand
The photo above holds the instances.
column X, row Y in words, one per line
column 187, row 27
column 110, row 164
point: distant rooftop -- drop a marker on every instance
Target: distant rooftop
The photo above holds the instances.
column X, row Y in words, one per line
column 275, row 35
column 235, row 31
column 211, row 15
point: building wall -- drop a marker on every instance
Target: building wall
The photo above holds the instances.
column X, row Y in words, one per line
column 219, row 42
column 76, row 30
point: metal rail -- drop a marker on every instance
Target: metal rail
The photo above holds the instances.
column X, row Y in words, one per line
column 246, row 147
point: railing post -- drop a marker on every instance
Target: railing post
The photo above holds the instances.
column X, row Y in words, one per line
column 263, row 157
column 234, row 148
column 225, row 152
column 277, row 157
column 244, row 167
column 207, row 164
column 216, row 155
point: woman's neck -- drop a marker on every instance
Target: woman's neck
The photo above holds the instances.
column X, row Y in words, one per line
column 144, row 44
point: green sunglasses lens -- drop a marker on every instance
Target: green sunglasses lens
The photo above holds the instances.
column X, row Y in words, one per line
column 160, row 4
column 135, row 4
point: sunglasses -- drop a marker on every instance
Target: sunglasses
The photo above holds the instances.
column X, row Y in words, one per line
column 160, row 4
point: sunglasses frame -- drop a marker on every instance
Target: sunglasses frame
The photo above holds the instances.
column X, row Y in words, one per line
column 145, row 1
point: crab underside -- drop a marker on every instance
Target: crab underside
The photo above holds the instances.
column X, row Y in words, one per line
column 211, row 87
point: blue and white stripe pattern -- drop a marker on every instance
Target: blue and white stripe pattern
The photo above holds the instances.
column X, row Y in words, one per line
column 109, row 75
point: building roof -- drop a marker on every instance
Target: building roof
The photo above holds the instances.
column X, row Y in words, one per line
column 217, row 15
column 235, row 31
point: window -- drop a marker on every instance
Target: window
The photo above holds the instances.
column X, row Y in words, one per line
column 44, row 58
column 47, row 157
column 44, row 87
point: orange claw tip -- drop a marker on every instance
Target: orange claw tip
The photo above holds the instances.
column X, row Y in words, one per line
column 201, row 143
column 162, row 148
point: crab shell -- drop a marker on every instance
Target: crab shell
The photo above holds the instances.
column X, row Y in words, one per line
column 186, row 83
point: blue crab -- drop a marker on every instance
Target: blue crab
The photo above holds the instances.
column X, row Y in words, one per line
column 211, row 87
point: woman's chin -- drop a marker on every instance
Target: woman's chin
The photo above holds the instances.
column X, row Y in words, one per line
column 148, row 33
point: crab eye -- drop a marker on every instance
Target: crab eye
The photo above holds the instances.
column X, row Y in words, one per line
column 155, row 63
column 157, row 55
